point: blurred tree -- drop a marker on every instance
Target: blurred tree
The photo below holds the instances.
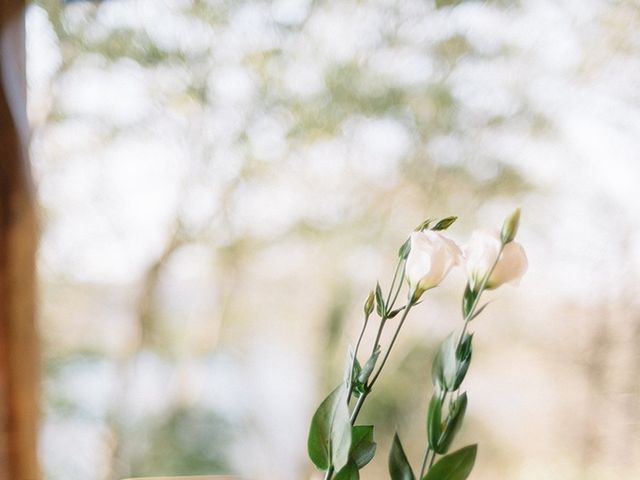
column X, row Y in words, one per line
column 18, row 338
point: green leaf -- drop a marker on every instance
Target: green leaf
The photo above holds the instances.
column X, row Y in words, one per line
column 348, row 472
column 341, row 433
column 359, row 389
column 449, row 369
column 453, row 424
column 455, row 466
column 434, row 420
column 356, row 368
column 349, row 368
column 399, row 467
column 443, row 371
column 468, row 300
column 479, row 311
column 380, row 307
column 363, row 448
column 403, row 253
column 395, row 312
column 320, row 431
column 367, row 370
column 463, row 357
column 444, row 223
column 424, row 225
column 329, row 438
column 465, row 347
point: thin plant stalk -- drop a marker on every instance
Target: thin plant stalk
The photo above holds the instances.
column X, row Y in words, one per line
column 405, row 313
column 467, row 319
column 329, row 473
column 355, row 355
column 364, row 395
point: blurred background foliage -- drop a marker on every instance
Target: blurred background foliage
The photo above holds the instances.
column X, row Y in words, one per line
column 222, row 182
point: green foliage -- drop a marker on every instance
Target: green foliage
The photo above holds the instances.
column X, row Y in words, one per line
column 463, row 359
column 468, row 300
column 395, row 312
column 452, row 49
column 358, row 387
column 367, row 370
column 180, row 442
column 403, row 253
column 344, row 83
column 348, row 472
column 434, row 421
column 450, row 364
column 453, row 423
column 363, row 448
column 444, row 365
column 479, row 311
column 130, row 43
column 444, row 223
column 455, row 466
column 329, row 440
column 355, row 373
column 399, row 467
column 424, row 225
column 380, row 306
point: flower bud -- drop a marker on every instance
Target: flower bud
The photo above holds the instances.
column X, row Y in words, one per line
column 510, row 227
column 430, row 259
column 481, row 253
column 369, row 303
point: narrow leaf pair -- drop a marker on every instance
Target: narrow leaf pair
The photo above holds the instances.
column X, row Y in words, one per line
column 455, row 466
column 440, row 434
column 363, row 448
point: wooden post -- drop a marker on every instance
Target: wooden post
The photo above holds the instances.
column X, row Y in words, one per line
column 19, row 358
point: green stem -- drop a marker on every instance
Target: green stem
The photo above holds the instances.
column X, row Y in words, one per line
column 467, row 319
column 383, row 320
column 393, row 282
column 379, row 333
column 393, row 341
column 355, row 355
column 443, row 397
column 481, row 289
column 424, row 461
column 432, row 459
column 368, row 388
column 329, row 473
column 395, row 297
column 356, row 409
column 388, row 307
column 364, row 326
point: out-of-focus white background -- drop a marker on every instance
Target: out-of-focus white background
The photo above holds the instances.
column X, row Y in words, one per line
column 222, row 182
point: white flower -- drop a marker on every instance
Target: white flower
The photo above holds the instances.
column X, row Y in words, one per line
column 481, row 253
column 431, row 257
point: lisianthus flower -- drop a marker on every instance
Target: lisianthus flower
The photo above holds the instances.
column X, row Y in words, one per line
column 480, row 254
column 430, row 259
